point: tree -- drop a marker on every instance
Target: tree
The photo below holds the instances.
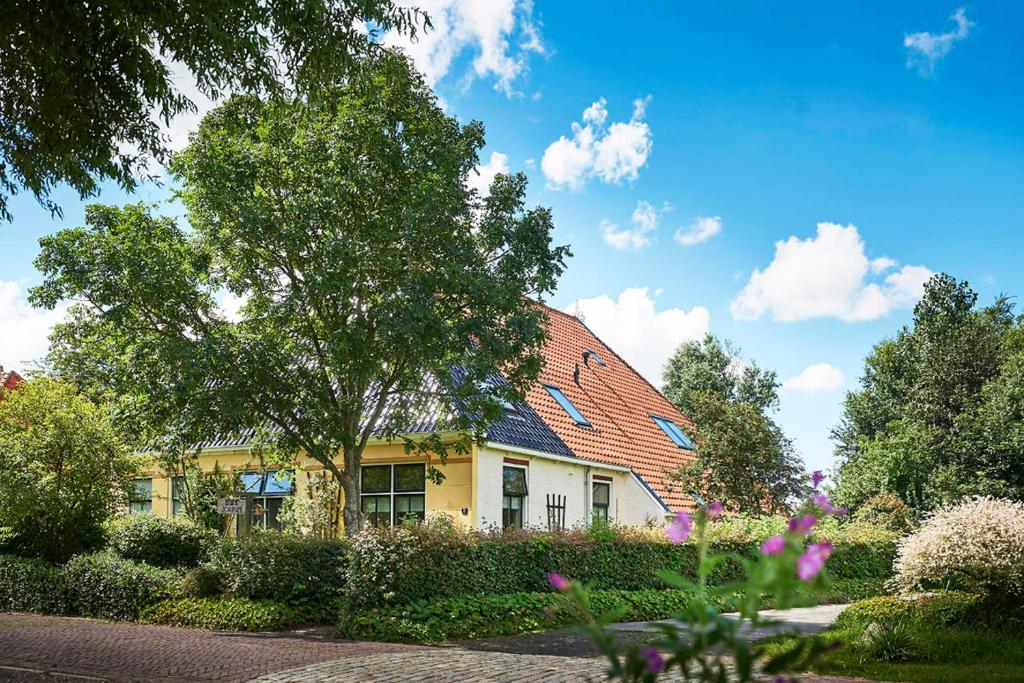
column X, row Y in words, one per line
column 84, row 84
column 743, row 457
column 376, row 286
column 63, row 469
column 713, row 366
column 935, row 417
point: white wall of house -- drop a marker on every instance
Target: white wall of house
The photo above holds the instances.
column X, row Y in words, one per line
column 630, row 502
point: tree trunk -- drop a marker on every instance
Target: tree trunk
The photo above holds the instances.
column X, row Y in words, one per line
column 351, row 514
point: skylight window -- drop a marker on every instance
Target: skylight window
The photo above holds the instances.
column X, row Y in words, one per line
column 597, row 358
column 673, row 432
column 567, row 405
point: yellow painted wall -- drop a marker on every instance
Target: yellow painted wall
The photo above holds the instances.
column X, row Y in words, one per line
column 453, row 494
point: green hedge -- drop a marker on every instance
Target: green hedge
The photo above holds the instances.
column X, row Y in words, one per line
column 306, row 574
column 107, row 586
column 481, row 616
column 100, row 585
column 223, row 614
column 947, row 608
column 159, row 542
column 30, row 585
column 401, row 566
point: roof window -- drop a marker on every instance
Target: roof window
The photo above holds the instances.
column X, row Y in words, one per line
column 673, row 432
column 567, row 405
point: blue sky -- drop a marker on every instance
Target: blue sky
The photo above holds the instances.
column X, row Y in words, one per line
column 736, row 127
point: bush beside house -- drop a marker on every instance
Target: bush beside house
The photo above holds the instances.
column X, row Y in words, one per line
column 403, row 565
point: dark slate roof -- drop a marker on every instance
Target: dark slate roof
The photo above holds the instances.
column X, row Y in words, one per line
column 521, row 426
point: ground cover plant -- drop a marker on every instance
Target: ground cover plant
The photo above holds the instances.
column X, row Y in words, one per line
column 947, row 637
column 703, row 644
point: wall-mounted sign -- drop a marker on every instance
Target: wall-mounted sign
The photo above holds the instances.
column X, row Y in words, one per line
column 231, row 506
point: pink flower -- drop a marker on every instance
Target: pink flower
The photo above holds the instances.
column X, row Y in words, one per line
column 774, row 545
column 817, row 477
column 654, row 662
column 801, row 526
column 558, row 582
column 715, row 510
column 822, row 501
column 812, row 561
column 679, row 530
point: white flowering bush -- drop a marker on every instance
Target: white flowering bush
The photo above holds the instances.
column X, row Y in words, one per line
column 977, row 544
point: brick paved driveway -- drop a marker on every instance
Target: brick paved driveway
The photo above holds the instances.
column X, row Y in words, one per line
column 31, row 643
column 40, row 648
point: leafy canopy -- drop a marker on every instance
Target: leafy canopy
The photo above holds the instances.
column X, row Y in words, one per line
column 84, row 85
column 376, row 286
column 939, row 413
column 743, row 459
column 63, row 469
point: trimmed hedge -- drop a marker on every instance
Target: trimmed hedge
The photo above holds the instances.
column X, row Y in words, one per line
column 159, row 542
column 30, row 585
column 403, row 565
column 222, row 614
column 481, row 616
column 106, row 586
column 100, row 585
column 947, row 608
column 306, row 574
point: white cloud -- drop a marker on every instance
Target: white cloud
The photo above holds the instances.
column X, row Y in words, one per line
column 183, row 124
column 827, row 276
column 820, row 378
column 644, row 221
column 487, row 29
column 25, row 330
column 700, row 229
column 611, row 153
column 925, row 49
column 882, row 264
column 482, row 176
column 644, row 336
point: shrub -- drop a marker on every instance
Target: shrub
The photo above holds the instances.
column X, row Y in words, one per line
column 204, row 581
column 478, row 616
column 977, row 544
column 305, row 573
column 937, row 609
column 107, row 586
column 890, row 642
column 224, row 614
column 63, row 468
column 30, row 585
column 888, row 511
column 402, row 565
column 159, row 542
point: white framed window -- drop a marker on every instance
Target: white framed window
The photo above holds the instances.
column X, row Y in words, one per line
column 177, row 496
column 140, row 499
column 270, row 489
column 392, row 494
column 514, row 491
column 600, row 500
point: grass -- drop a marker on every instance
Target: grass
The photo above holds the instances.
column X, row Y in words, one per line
column 934, row 654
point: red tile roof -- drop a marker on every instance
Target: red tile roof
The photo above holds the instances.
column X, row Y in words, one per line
column 9, row 380
column 616, row 400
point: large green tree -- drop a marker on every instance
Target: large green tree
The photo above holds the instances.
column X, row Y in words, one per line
column 85, row 85
column 937, row 414
column 376, row 286
column 64, row 468
column 743, row 458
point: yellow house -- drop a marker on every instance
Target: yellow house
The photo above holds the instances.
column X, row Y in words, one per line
column 593, row 440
